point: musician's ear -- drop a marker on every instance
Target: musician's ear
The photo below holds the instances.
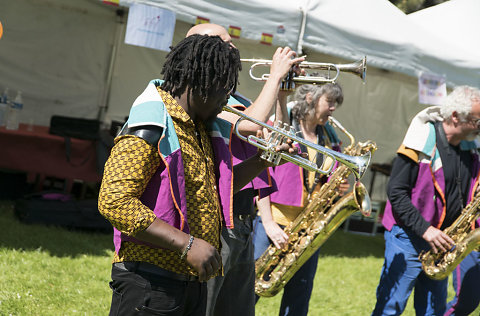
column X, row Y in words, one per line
column 308, row 98
column 455, row 117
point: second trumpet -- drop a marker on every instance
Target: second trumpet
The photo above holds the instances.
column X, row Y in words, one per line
column 319, row 72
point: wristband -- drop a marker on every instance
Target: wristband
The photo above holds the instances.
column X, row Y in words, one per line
column 190, row 242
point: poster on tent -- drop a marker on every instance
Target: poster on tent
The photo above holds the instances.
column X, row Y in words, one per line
column 149, row 26
column 432, row 89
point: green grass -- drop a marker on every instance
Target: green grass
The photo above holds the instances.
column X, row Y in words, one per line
column 346, row 279
column 54, row 271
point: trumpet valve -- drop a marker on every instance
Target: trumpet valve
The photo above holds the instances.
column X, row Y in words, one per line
column 275, row 139
column 288, row 83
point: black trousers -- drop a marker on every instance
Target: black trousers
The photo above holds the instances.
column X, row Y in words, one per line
column 143, row 293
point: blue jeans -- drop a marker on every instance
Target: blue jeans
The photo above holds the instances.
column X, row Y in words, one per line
column 401, row 272
column 466, row 282
column 297, row 292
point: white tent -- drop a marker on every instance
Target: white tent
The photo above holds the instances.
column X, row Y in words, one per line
column 456, row 20
column 378, row 29
column 57, row 53
column 69, row 57
column 348, row 29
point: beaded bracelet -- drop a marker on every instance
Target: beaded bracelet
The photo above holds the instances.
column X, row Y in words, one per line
column 190, row 242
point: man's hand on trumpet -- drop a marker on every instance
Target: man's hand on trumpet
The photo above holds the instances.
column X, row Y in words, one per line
column 281, row 65
column 283, row 61
column 285, row 145
column 252, row 166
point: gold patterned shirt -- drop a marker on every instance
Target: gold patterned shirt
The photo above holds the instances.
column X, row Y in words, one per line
column 130, row 167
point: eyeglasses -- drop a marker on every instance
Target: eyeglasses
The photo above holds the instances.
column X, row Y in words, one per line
column 475, row 120
column 477, row 123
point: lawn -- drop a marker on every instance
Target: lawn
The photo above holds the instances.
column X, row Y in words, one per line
column 54, row 271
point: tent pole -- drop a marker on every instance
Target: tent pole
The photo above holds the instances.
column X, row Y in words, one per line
column 113, row 54
column 302, row 29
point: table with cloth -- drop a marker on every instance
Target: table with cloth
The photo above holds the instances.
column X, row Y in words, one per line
column 31, row 149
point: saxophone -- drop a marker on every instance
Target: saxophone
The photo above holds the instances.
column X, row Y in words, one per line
column 439, row 265
column 314, row 225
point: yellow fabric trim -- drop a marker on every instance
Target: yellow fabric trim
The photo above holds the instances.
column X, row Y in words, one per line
column 410, row 153
column 286, row 214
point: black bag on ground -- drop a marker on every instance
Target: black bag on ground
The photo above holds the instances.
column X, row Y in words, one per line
column 13, row 184
column 59, row 209
column 74, row 127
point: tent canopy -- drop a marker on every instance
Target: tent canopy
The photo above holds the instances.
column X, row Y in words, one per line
column 455, row 20
column 377, row 29
column 349, row 29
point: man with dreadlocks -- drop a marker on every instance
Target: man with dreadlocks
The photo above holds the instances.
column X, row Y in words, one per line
column 168, row 181
column 233, row 293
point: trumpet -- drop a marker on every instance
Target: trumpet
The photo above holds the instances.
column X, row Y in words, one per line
column 358, row 68
column 277, row 134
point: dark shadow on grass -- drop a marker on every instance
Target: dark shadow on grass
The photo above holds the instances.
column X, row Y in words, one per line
column 63, row 242
column 57, row 241
column 346, row 244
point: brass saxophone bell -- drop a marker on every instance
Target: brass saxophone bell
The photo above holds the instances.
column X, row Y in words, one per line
column 363, row 199
column 318, row 220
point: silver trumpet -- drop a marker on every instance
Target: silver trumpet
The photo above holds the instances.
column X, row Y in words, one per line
column 332, row 71
column 278, row 134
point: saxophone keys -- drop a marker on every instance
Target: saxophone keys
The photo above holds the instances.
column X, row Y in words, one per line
column 303, row 243
column 290, row 259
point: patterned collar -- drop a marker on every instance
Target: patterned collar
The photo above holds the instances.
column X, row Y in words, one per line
column 174, row 109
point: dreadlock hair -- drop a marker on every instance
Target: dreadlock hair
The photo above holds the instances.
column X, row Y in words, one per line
column 201, row 63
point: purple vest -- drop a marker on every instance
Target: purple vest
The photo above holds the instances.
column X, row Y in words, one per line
column 241, row 151
column 428, row 194
column 289, row 181
column 165, row 193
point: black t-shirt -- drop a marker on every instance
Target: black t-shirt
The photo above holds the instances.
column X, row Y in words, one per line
column 243, row 202
column 457, row 165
